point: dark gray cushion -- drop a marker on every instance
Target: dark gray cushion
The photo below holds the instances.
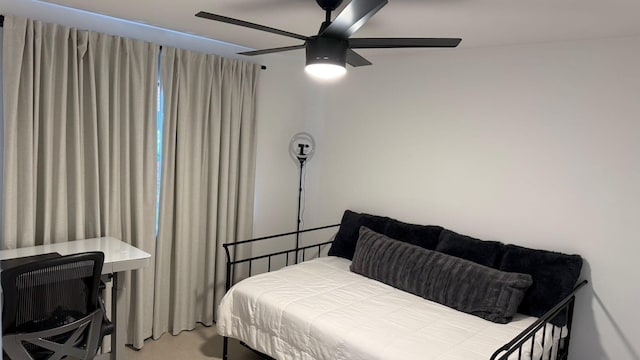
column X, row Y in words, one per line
column 463, row 285
column 487, row 253
column 344, row 244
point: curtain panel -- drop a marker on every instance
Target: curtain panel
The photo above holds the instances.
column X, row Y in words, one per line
column 80, row 145
column 207, row 181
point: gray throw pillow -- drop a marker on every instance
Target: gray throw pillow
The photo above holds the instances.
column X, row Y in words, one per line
column 463, row 285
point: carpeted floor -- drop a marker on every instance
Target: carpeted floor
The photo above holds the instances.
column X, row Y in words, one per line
column 199, row 344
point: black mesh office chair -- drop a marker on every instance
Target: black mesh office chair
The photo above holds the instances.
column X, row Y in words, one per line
column 52, row 309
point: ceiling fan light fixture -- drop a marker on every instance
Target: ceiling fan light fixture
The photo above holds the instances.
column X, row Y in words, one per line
column 326, row 57
column 325, row 71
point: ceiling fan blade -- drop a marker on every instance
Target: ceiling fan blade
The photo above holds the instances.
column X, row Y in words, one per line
column 272, row 50
column 377, row 43
column 352, row 17
column 354, row 59
column 228, row 20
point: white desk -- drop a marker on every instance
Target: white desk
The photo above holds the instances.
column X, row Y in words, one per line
column 118, row 257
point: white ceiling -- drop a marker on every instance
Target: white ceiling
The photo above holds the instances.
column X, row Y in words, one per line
column 480, row 23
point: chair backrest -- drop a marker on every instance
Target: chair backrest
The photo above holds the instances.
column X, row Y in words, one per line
column 51, row 307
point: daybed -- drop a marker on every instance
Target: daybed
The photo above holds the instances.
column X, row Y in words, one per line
column 392, row 290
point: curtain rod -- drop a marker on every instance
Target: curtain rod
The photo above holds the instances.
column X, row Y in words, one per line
column 263, row 67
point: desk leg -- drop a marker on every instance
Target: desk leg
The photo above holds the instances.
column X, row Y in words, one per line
column 117, row 338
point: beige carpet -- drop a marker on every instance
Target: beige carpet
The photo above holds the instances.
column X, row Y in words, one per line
column 201, row 343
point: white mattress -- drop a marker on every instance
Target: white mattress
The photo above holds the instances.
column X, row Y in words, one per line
column 320, row 310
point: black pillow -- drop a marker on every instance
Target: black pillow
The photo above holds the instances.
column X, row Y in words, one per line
column 554, row 276
column 487, row 253
column 463, row 285
column 344, row 244
column 425, row 236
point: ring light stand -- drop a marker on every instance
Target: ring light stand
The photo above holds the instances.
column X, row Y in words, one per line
column 301, row 149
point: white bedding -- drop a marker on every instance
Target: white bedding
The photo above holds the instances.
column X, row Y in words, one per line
column 319, row 310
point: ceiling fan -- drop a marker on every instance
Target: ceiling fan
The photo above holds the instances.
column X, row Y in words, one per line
column 332, row 48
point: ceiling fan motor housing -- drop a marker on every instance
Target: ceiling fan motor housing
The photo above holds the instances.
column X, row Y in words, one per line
column 329, row 5
column 325, row 50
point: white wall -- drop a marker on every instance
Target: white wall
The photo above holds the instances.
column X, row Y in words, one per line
column 535, row 145
column 288, row 103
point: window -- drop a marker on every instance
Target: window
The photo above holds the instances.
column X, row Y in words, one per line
column 160, row 118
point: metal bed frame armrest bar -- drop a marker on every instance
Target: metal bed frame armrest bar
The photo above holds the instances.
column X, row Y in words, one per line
column 296, row 249
column 529, row 333
column 232, row 244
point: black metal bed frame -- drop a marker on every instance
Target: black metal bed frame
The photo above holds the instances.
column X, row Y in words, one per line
column 516, row 346
column 563, row 308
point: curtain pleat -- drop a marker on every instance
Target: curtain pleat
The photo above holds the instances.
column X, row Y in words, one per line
column 207, row 182
column 80, row 142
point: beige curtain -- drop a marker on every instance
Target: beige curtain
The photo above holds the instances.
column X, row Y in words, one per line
column 207, row 182
column 80, row 140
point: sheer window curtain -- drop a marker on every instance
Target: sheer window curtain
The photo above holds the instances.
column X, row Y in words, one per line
column 80, row 137
column 207, row 182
